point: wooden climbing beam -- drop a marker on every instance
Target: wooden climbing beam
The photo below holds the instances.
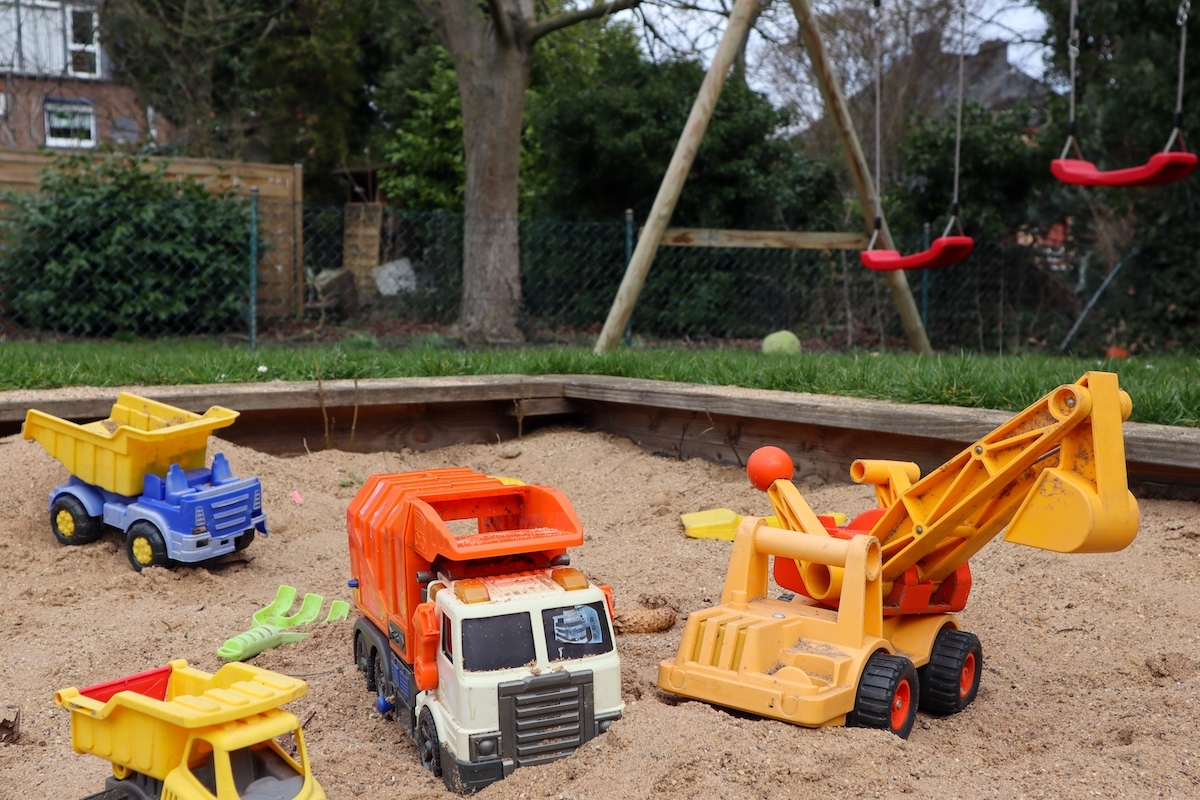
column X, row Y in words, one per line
column 786, row 240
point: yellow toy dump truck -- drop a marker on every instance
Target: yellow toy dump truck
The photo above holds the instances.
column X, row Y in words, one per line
column 142, row 471
column 176, row 733
column 870, row 634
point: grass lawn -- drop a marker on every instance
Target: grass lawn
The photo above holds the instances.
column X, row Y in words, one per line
column 1164, row 389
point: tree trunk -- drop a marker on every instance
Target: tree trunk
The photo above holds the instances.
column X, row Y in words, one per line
column 493, row 103
column 492, row 46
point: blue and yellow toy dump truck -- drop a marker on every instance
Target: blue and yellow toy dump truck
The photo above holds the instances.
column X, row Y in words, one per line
column 142, row 471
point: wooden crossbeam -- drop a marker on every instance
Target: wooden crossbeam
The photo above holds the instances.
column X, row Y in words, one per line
column 788, row 240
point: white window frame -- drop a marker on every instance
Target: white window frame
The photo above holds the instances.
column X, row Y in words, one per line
column 42, row 41
column 10, row 57
column 69, row 12
column 52, row 106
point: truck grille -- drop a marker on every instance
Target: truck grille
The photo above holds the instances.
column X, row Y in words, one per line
column 545, row 717
column 232, row 515
column 228, row 507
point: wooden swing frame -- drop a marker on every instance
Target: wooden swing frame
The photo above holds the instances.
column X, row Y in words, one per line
column 653, row 233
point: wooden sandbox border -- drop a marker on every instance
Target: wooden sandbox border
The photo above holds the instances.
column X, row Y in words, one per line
column 718, row 423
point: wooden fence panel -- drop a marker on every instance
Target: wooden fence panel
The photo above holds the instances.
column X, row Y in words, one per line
column 281, row 220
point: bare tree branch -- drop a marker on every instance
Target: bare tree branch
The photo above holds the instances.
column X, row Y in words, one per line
column 560, row 21
column 503, row 23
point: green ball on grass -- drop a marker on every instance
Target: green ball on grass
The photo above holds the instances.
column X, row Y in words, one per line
column 782, row 342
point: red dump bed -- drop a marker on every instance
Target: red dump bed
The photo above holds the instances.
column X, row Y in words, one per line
column 151, row 683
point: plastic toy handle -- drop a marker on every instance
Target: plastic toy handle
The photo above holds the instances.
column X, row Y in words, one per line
column 254, row 641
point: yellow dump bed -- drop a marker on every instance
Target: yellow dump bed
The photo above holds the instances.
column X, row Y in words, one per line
column 142, row 722
column 139, row 437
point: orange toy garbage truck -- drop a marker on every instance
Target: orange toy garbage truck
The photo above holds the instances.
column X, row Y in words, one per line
column 490, row 650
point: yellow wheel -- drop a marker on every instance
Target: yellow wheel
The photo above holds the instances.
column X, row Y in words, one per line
column 145, row 546
column 70, row 522
column 143, row 553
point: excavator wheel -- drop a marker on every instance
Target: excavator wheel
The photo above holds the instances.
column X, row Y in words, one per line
column 950, row 681
column 889, row 692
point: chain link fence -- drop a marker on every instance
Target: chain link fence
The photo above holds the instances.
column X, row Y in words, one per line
column 1005, row 296
column 184, row 269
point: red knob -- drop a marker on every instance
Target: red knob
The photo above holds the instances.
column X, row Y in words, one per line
column 767, row 465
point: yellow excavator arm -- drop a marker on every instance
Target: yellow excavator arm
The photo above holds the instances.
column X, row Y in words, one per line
column 1054, row 475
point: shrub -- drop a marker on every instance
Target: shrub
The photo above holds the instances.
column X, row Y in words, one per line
column 112, row 245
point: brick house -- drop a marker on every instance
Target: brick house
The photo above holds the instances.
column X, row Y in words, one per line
column 58, row 89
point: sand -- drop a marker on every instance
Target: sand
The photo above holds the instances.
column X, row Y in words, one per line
column 1091, row 671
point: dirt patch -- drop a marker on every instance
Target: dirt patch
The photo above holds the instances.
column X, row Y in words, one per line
column 1090, row 682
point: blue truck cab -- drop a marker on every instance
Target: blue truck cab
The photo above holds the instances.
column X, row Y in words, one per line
column 184, row 517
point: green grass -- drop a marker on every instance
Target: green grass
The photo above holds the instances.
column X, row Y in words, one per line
column 1165, row 390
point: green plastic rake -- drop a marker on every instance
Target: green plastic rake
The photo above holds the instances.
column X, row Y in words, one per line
column 272, row 624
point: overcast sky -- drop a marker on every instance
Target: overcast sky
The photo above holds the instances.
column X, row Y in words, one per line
column 693, row 31
column 1014, row 23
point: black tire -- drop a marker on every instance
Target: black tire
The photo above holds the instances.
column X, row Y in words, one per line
column 71, row 523
column 889, row 692
column 145, row 546
column 379, row 674
column 429, row 749
column 243, row 541
column 362, row 658
column 111, row 794
column 950, row 681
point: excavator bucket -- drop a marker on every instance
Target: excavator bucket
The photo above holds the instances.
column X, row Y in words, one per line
column 1083, row 505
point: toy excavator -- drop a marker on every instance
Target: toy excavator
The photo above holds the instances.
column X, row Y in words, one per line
column 870, row 634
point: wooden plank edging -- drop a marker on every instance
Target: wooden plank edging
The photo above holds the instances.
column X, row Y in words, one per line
column 1164, row 446
column 94, row 403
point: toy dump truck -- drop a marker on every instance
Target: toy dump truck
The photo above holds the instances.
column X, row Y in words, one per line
column 142, row 471
column 176, row 733
column 490, row 650
column 871, row 633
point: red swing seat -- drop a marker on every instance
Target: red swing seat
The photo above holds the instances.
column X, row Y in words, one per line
column 944, row 250
column 1161, row 168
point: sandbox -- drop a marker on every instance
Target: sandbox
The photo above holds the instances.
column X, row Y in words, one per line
column 1091, row 663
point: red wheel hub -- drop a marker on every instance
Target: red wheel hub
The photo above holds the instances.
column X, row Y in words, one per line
column 900, row 705
column 966, row 680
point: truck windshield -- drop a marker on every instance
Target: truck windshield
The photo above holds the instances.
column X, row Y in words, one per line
column 576, row 631
column 502, row 642
column 261, row 772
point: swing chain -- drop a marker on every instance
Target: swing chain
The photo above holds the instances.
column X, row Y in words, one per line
column 958, row 117
column 1073, row 55
column 876, row 34
column 1181, row 18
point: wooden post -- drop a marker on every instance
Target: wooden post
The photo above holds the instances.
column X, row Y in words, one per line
column 835, row 107
column 298, row 238
column 677, row 171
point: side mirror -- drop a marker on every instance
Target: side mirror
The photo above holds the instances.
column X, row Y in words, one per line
column 426, row 633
